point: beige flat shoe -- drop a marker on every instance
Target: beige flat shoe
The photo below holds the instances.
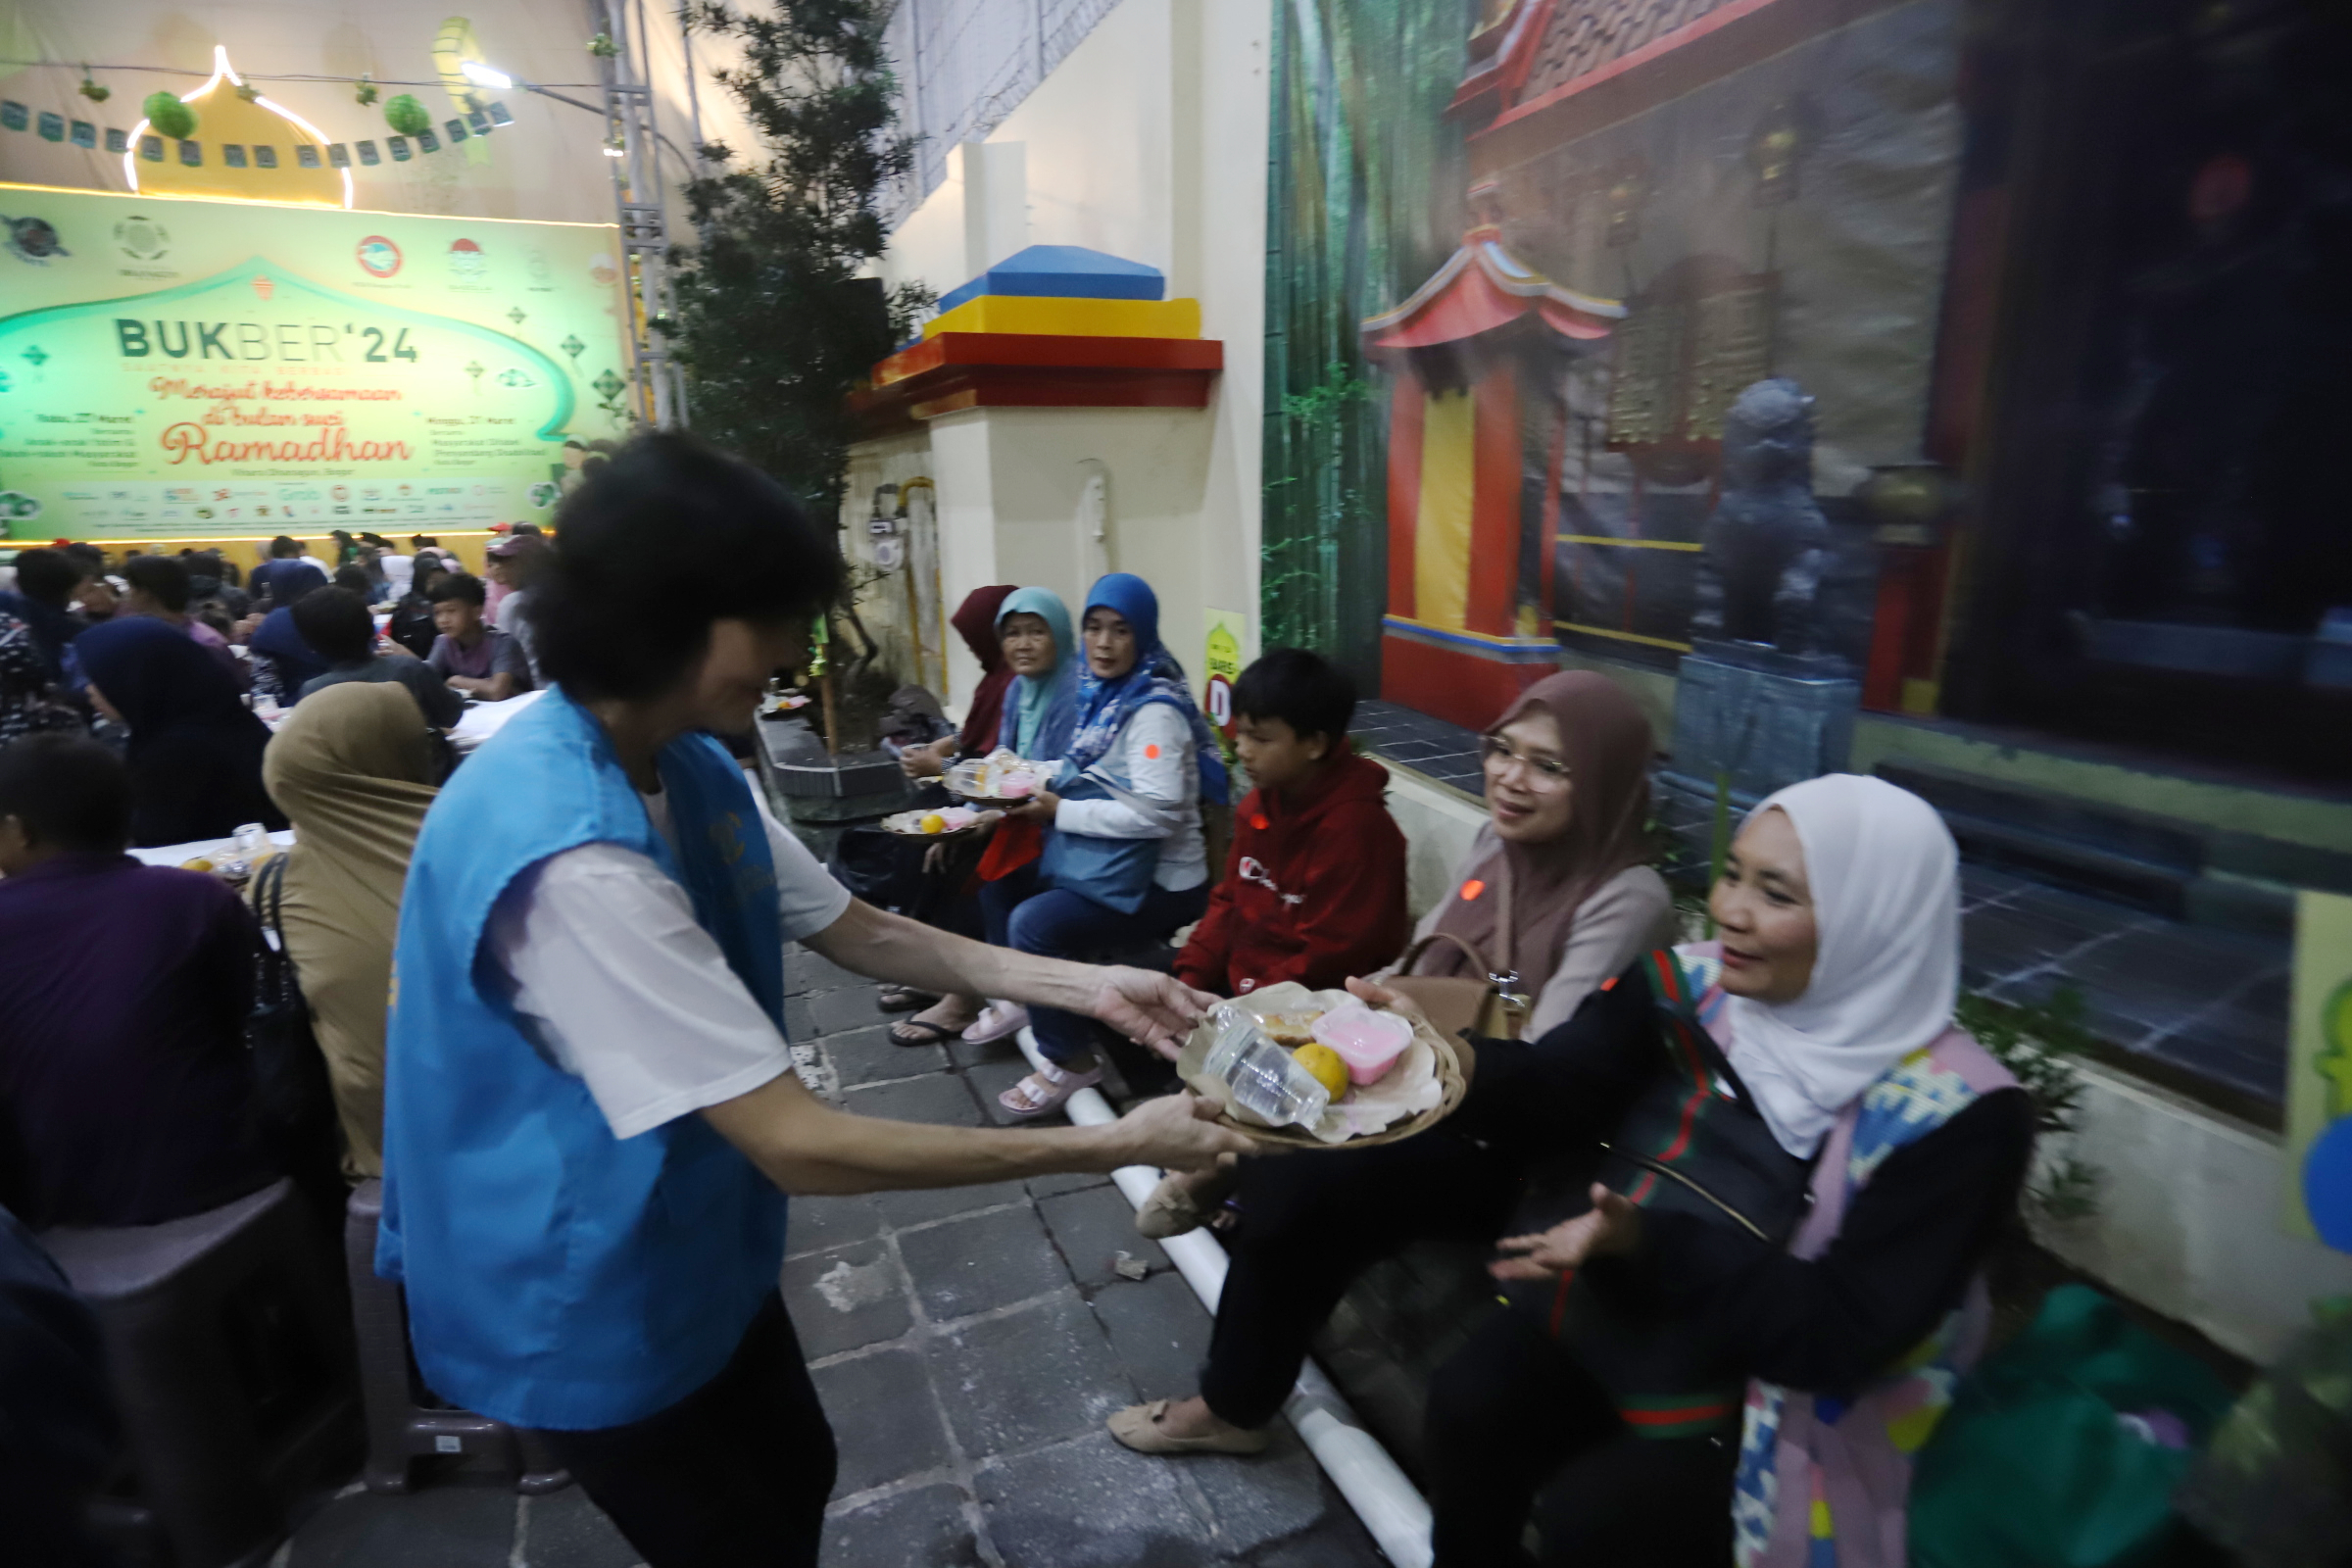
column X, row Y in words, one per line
column 1138, row 1427
column 1169, row 1211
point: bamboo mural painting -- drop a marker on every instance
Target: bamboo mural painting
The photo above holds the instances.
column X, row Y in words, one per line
column 1364, row 200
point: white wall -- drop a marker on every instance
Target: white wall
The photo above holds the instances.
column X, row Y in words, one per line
column 2188, row 1220
column 1149, row 142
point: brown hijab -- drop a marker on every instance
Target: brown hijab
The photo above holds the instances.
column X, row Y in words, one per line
column 1607, row 743
column 352, row 768
column 975, row 622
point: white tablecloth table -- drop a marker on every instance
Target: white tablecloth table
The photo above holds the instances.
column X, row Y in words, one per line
column 210, row 848
column 482, row 721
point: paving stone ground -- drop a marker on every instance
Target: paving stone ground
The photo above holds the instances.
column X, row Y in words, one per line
column 967, row 1345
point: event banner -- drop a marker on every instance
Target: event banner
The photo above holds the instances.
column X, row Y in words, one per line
column 213, row 367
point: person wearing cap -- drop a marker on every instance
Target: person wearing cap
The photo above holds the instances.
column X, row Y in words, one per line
column 496, row 590
column 515, row 564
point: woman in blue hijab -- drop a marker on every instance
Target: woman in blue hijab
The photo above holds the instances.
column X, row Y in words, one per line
column 1125, row 861
column 195, row 751
column 1040, row 709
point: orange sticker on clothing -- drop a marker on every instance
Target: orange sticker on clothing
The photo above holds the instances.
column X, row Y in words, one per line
column 1260, row 822
column 1472, row 888
column 1152, row 752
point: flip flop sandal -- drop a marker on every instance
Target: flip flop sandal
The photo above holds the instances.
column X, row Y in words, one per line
column 934, row 1034
column 1138, row 1427
column 995, row 1022
column 903, row 999
column 1060, row 1087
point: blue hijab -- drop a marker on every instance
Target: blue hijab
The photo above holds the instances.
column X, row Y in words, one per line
column 1106, row 706
column 1044, row 709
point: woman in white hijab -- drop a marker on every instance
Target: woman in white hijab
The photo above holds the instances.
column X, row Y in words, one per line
column 1781, row 1164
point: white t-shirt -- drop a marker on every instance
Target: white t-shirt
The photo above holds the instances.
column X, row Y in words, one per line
column 616, row 983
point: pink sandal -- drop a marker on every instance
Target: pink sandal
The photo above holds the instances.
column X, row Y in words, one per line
column 996, row 1020
column 1047, row 1090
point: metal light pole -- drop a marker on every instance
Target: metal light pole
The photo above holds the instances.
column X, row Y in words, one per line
column 633, row 141
column 637, row 200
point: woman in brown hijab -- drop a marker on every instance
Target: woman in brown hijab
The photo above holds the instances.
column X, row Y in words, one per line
column 351, row 767
column 1558, row 869
column 1567, row 796
column 975, row 622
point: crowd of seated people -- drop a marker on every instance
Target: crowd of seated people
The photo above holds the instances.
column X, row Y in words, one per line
column 1604, row 1403
column 587, row 919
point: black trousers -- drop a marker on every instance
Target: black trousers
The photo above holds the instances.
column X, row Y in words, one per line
column 1311, row 1224
column 1515, row 1425
column 735, row 1475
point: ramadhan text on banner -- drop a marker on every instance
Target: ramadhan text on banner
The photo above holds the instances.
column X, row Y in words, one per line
column 184, row 367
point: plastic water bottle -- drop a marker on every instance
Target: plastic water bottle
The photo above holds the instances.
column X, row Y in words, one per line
column 1265, row 1081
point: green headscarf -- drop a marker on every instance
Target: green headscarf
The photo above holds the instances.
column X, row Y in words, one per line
column 1039, row 718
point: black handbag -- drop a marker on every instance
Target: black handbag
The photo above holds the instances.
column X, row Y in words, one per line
column 294, row 1105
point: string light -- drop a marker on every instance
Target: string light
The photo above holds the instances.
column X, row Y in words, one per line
column 221, row 70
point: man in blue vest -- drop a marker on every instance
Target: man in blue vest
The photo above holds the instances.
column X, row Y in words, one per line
column 590, row 1113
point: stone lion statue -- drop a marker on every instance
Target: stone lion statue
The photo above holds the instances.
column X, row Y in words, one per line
column 1767, row 543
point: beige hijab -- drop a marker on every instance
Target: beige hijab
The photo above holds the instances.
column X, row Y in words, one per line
column 350, row 769
column 1607, row 744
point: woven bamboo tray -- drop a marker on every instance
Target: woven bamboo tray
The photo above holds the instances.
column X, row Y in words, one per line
column 1452, row 1085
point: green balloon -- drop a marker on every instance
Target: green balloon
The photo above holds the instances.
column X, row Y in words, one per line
column 407, row 116
column 168, row 116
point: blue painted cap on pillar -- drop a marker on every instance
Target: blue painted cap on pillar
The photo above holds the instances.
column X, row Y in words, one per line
column 1063, row 271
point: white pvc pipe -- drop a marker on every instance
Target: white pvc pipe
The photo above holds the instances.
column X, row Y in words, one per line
column 1390, row 1507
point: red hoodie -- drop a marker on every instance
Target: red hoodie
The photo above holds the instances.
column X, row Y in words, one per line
column 1314, row 890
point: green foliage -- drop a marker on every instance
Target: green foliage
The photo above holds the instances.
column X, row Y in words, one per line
column 406, row 116
column 92, row 91
column 1719, row 850
column 2039, row 1044
column 169, row 117
column 774, row 326
column 1298, row 583
column 1363, row 201
column 363, row 91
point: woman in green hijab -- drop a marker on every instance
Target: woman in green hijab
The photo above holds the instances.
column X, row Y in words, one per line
column 1033, row 626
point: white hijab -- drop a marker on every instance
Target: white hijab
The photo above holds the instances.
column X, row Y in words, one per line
column 1884, row 878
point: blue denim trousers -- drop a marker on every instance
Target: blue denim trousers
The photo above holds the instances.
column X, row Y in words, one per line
column 1027, row 916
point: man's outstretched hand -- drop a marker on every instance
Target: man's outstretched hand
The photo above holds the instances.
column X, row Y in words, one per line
column 1153, row 1009
column 1179, row 1132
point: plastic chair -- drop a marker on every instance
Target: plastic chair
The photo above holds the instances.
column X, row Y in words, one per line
column 230, row 1359
column 400, row 1430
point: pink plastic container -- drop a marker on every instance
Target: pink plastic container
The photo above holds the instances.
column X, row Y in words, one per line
column 1368, row 1041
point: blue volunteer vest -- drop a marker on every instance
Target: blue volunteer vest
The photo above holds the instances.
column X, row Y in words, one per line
column 558, row 1276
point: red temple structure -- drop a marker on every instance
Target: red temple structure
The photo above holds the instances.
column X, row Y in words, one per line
column 1478, row 353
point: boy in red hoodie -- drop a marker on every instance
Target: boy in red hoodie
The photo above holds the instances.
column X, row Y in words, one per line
column 1314, row 889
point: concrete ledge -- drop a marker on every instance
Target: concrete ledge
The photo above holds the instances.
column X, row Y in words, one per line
column 1440, row 823
column 2189, row 1218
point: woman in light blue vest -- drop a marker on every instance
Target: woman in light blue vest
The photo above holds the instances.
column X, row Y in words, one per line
column 590, row 1113
column 1125, row 861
